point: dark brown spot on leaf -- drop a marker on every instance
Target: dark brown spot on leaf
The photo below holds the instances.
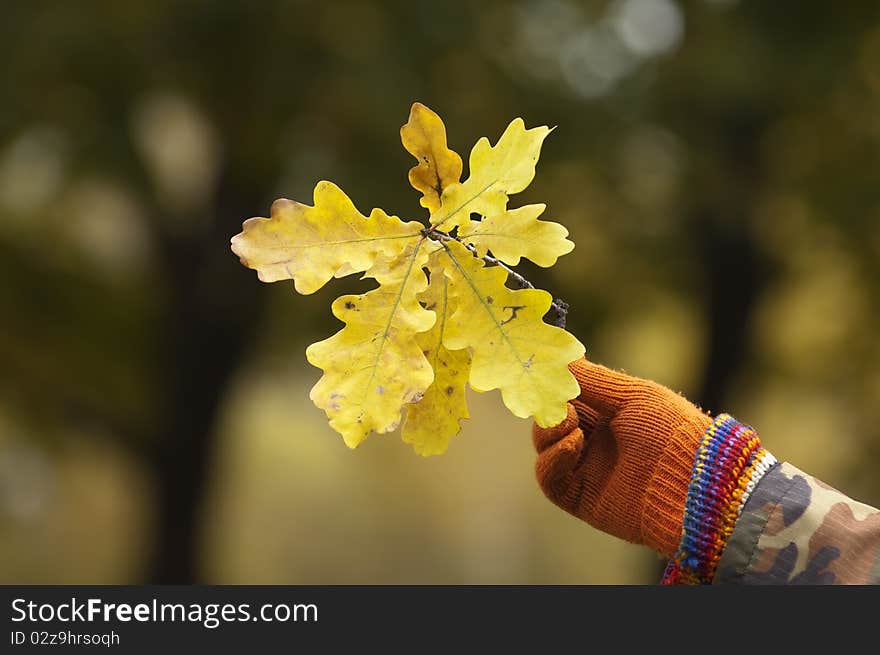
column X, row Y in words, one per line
column 513, row 310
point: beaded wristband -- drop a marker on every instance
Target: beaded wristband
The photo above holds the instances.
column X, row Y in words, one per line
column 729, row 463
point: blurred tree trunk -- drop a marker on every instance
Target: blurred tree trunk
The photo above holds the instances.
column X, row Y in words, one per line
column 213, row 308
column 735, row 278
column 735, row 271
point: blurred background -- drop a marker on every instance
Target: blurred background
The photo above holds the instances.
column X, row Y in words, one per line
column 717, row 163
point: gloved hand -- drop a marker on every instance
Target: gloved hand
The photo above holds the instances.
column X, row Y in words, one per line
column 622, row 459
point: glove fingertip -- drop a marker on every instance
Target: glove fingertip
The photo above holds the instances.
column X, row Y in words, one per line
column 543, row 438
column 557, row 461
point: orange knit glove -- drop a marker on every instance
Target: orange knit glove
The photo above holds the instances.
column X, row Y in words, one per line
column 622, row 459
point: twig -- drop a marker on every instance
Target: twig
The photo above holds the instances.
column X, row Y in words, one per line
column 558, row 308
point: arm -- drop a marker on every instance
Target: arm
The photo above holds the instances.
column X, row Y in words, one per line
column 639, row 461
column 795, row 529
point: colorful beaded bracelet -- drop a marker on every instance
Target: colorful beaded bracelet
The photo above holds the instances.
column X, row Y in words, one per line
column 729, row 464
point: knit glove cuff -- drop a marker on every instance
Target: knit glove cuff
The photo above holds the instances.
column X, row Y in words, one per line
column 729, row 463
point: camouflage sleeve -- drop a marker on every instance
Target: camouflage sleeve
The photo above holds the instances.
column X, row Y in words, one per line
column 795, row 529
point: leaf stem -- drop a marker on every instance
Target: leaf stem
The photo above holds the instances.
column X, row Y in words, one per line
column 558, row 308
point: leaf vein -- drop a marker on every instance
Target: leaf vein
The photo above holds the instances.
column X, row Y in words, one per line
column 486, row 307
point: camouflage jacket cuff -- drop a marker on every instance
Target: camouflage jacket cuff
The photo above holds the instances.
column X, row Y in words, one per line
column 729, row 464
column 796, row 529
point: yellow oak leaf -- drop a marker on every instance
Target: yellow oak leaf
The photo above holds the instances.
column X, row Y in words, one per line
column 409, row 347
column 435, row 419
column 374, row 366
column 313, row 244
column 518, row 233
column 496, row 172
column 424, row 137
column 513, row 349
